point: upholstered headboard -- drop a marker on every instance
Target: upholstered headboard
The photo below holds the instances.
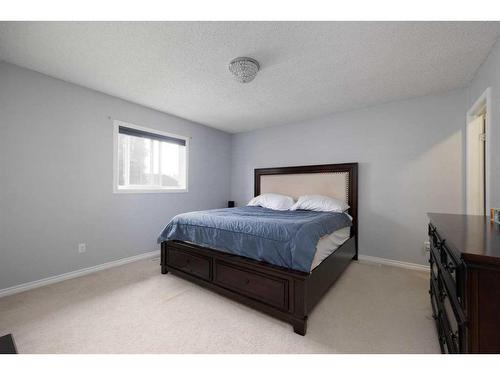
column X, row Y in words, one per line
column 335, row 180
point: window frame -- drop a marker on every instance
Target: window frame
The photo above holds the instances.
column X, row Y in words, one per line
column 143, row 189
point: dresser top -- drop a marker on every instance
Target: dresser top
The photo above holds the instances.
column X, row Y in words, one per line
column 474, row 237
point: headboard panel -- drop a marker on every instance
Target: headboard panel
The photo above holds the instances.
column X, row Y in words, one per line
column 334, row 180
column 331, row 184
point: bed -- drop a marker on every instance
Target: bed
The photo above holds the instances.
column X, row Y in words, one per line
column 283, row 282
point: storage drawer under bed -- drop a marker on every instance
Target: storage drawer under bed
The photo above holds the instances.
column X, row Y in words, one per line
column 271, row 290
column 191, row 263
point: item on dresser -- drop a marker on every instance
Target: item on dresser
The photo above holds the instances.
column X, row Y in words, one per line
column 495, row 215
column 465, row 282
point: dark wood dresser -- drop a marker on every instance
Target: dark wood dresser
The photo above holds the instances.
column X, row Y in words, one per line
column 465, row 282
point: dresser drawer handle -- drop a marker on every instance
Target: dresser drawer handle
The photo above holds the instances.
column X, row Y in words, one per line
column 247, row 281
column 450, row 267
column 443, row 295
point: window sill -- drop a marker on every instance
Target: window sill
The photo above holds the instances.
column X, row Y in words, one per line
column 142, row 191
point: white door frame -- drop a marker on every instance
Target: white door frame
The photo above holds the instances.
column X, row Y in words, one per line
column 484, row 101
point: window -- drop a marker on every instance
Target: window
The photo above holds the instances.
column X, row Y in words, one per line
column 148, row 160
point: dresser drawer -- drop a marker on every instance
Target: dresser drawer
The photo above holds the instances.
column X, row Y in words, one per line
column 450, row 264
column 448, row 284
column 191, row 263
column 450, row 325
column 433, row 264
column 444, row 260
column 436, row 314
column 272, row 290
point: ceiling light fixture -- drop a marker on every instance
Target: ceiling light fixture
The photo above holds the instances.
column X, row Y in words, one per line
column 244, row 69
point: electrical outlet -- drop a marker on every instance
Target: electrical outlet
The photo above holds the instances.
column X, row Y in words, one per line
column 82, row 247
column 427, row 246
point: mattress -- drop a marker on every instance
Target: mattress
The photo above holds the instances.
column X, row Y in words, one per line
column 328, row 244
column 284, row 238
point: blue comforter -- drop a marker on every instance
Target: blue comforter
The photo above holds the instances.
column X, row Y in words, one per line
column 283, row 238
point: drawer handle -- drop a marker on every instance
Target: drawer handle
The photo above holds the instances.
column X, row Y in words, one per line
column 443, row 295
column 247, row 281
column 450, row 267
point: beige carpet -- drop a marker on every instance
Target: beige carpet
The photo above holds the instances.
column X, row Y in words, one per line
column 135, row 309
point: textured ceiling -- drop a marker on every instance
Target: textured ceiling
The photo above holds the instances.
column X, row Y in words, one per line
column 308, row 69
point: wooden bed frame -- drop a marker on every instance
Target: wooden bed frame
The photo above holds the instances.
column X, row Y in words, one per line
column 284, row 293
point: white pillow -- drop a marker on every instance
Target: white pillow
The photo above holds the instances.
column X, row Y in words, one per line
column 319, row 203
column 272, row 201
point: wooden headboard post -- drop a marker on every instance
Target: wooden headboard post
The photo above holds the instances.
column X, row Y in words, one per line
column 352, row 181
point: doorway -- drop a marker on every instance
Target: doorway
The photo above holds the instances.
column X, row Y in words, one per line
column 477, row 176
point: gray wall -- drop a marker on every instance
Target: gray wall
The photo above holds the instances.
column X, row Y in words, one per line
column 411, row 162
column 488, row 75
column 56, row 152
column 56, row 171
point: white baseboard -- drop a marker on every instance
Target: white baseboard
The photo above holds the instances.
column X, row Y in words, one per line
column 390, row 262
column 71, row 275
column 85, row 271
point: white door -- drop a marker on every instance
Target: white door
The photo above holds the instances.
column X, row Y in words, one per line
column 475, row 166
